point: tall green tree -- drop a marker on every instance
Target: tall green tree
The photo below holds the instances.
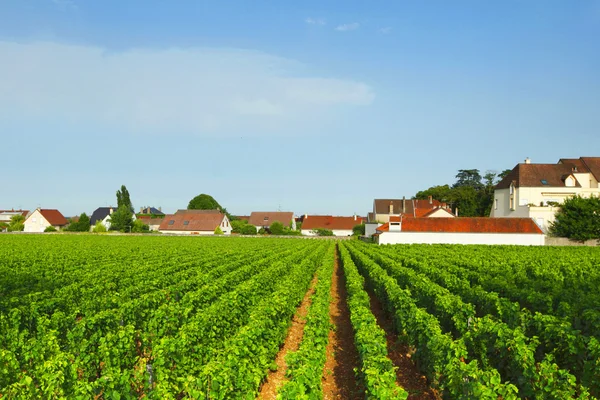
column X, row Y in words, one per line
column 207, row 202
column 469, row 178
column 123, row 198
column 578, row 218
column 82, row 225
column 121, row 220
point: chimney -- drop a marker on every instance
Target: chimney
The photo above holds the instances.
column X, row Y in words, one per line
column 403, row 204
column 305, row 216
column 110, row 211
column 456, row 212
column 355, row 217
column 430, row 199
column 527, row 160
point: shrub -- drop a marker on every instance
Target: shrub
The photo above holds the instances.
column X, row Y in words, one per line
column 218, row 231
column 248, row 229
column 237, row 226
column 323, row 232
column 578, row 218
column 83, row 225
column 99, row 227
column 262, row 231
column 50, row 229
column 276, row 228
column 358, row 230
column 139, row 227
column 17, row 223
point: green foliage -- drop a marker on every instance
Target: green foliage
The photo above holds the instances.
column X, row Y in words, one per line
column 237, row 225
column 578, row 218
column 358, row 230
column 276, row 228
column 262, row 231
column 82, row 225
column 471, row 194
column 3, row 226
column 139, row 226
column 218, row 231
column 299, row 226
column 50, row 229
column 248, row 229
column 204, row 202
column 123, row 199
column 17, row 223
column 305, row 366
column 99, row 227
column 121, row 219
column 323, row 232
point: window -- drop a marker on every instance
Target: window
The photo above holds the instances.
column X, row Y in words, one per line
column 266, row 218
column 544, row 182
column 171, row 222
column 186, row 222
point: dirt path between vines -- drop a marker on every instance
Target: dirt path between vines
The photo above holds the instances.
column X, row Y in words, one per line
column 275, row 379
column 407, row 374
column 339, row 380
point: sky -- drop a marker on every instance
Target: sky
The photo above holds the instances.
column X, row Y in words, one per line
column 314, row 107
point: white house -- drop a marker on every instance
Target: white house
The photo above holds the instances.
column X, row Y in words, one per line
column 492, row 231
column 41, row 219
column 535, row 190
column 195, row 222
column 103, row 214
column 341, row 226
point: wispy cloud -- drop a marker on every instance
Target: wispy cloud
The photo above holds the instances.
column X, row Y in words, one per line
column 348, row 27
column 208, row 92
column 315, row 21
column 385, row 30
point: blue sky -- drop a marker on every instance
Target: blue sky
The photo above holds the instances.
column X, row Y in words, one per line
column 313, row 106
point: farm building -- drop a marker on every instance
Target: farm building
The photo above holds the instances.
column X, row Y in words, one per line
column 264, row 219
column 409, row 230
column 41, row 219
column 341, row 226
column 195, row 222
column 384, row 208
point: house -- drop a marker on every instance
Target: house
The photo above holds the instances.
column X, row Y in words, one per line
column 195, row 222
column 102, row 214
column 151, row 211
column 341, row 226
column 6, row 215
column 535, row 190
column 264, row 219
column 383, row 208
column 41, row 219
column 464, row 230
column 153, row 223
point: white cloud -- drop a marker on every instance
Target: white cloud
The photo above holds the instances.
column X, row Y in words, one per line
column 348, row 27
column 210, row 92
column 315, row 21
column 385, row 30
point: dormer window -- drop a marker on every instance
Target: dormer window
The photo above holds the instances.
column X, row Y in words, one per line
column 171, row 222
column 186, row 222
column 570, row 181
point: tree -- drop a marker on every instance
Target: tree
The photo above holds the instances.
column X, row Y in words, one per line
column 3, row 226
column 358, row 230
column 204, row 202
column 238, row 225
column 17, row 223
column 82, row 225
column 50, row 229
column 276, row 228
column 503, row 174
column 441, row 193
column 218, row 231
column 123, row 199
column 121, row 219
column 578, row 218
column 469, row 178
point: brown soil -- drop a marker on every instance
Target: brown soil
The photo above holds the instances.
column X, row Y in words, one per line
column 407, row 375
column 275, row 379
column 339, row 379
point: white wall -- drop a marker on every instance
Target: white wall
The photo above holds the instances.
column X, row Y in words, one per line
column 461, row 238
column 336, row 232
column 370, row 228
column 36, row 222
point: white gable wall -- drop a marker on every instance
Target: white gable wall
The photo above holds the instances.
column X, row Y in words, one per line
column 36, row 222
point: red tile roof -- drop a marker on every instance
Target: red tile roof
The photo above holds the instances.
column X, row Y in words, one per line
column 412, row 207
column 23, row 212
column 54, row 217
column 531, row 175
column 196, row 221
column 266, row 218
column 329, row 222
column 148, row 220
column 467, row 225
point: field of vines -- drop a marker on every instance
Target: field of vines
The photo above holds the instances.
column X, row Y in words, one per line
column 131, row 317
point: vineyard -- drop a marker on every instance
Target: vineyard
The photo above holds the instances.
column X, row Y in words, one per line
column 129, row 317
